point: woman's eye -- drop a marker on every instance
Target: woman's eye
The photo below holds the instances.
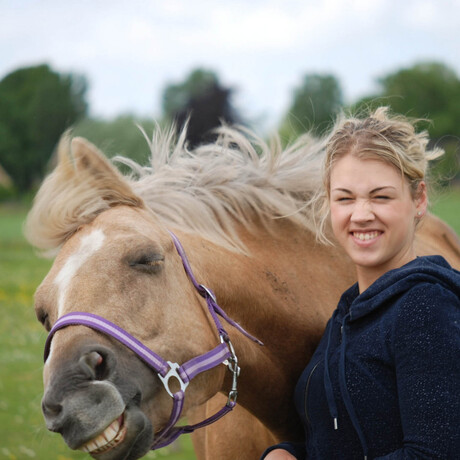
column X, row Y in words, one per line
column 382, row 197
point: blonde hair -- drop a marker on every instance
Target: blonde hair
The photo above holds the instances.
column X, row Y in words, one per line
column 382, row 136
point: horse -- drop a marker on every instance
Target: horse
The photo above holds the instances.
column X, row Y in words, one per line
column 202, row 256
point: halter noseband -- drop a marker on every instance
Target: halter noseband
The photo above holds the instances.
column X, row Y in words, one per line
column 166, row 370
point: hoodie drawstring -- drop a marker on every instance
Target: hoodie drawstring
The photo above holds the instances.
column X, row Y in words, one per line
column 346, row 395
column 343, row 385
column 327, row 379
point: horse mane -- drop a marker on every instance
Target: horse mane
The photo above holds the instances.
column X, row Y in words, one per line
column 238, row 180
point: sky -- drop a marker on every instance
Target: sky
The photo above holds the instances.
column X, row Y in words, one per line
column 131, row 50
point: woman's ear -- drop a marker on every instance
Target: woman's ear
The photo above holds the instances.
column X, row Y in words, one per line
column 421, row 199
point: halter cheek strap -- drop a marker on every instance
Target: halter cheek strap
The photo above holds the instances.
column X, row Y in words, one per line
column 166, row 370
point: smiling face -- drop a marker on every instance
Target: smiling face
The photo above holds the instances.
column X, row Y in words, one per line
column 373, row 215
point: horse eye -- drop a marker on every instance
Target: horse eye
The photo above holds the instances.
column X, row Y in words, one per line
column 42, row 316
column 147, row 262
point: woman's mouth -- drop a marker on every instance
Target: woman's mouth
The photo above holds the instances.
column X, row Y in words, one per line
column 111, row 437
column 366, row 236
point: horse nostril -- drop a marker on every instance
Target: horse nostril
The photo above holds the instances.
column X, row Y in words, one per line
column 53, row 413
column 51, row 409
column 94, row 364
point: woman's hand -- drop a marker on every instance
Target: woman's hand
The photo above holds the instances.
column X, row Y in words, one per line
column 279, row 454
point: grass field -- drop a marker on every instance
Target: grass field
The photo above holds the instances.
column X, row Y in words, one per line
column 22, row 431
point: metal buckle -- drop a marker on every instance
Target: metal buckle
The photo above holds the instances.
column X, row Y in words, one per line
column 173, row 373
column 232, row 364
column 232, row 396
column 209, row 292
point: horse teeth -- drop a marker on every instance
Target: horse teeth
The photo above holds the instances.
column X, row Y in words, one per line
column 110, row 432
column 101, row 440
column 91, row 446
column 108, row 438
column 115, row 426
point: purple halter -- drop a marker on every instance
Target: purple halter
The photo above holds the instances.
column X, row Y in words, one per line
column 223, row 353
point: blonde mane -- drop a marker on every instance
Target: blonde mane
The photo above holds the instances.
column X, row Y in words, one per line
column 238, row 180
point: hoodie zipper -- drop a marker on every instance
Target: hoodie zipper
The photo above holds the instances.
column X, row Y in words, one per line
column 306, row 391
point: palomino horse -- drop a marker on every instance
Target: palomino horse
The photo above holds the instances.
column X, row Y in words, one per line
column 123, row 311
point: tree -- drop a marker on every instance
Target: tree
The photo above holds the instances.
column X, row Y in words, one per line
column 203, row 102
column 36, row 106
column 427, row 90
column 315, row 104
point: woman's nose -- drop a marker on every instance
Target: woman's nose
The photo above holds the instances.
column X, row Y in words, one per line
column 362, row 211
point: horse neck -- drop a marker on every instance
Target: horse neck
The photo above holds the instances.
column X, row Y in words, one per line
column 281, row 293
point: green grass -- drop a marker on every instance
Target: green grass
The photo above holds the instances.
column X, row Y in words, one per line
column 22, row 430
column 447, row 206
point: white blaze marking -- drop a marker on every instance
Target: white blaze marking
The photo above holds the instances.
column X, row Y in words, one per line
column 88, row 246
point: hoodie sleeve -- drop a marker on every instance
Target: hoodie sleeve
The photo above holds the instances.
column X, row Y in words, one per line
column 297, row 449
column 427, row 360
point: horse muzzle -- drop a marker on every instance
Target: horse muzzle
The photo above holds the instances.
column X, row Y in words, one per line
column 91, row 401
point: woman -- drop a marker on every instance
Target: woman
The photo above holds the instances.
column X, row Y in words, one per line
column 384, row 381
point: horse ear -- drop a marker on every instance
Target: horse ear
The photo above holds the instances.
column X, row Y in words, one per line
column 88, row 157
column 92, row 163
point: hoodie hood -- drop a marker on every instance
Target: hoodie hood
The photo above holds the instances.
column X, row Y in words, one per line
column 429, row 269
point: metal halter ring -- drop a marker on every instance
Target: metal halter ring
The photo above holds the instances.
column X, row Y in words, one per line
column 172, row 373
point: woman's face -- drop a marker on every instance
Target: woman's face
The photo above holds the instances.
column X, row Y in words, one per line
column 373, row 215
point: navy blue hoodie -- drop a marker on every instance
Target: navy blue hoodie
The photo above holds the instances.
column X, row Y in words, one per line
column 384, row 382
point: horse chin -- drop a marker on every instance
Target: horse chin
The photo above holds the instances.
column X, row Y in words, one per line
column 128, row 437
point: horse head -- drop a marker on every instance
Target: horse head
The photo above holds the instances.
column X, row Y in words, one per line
column 115, row 260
